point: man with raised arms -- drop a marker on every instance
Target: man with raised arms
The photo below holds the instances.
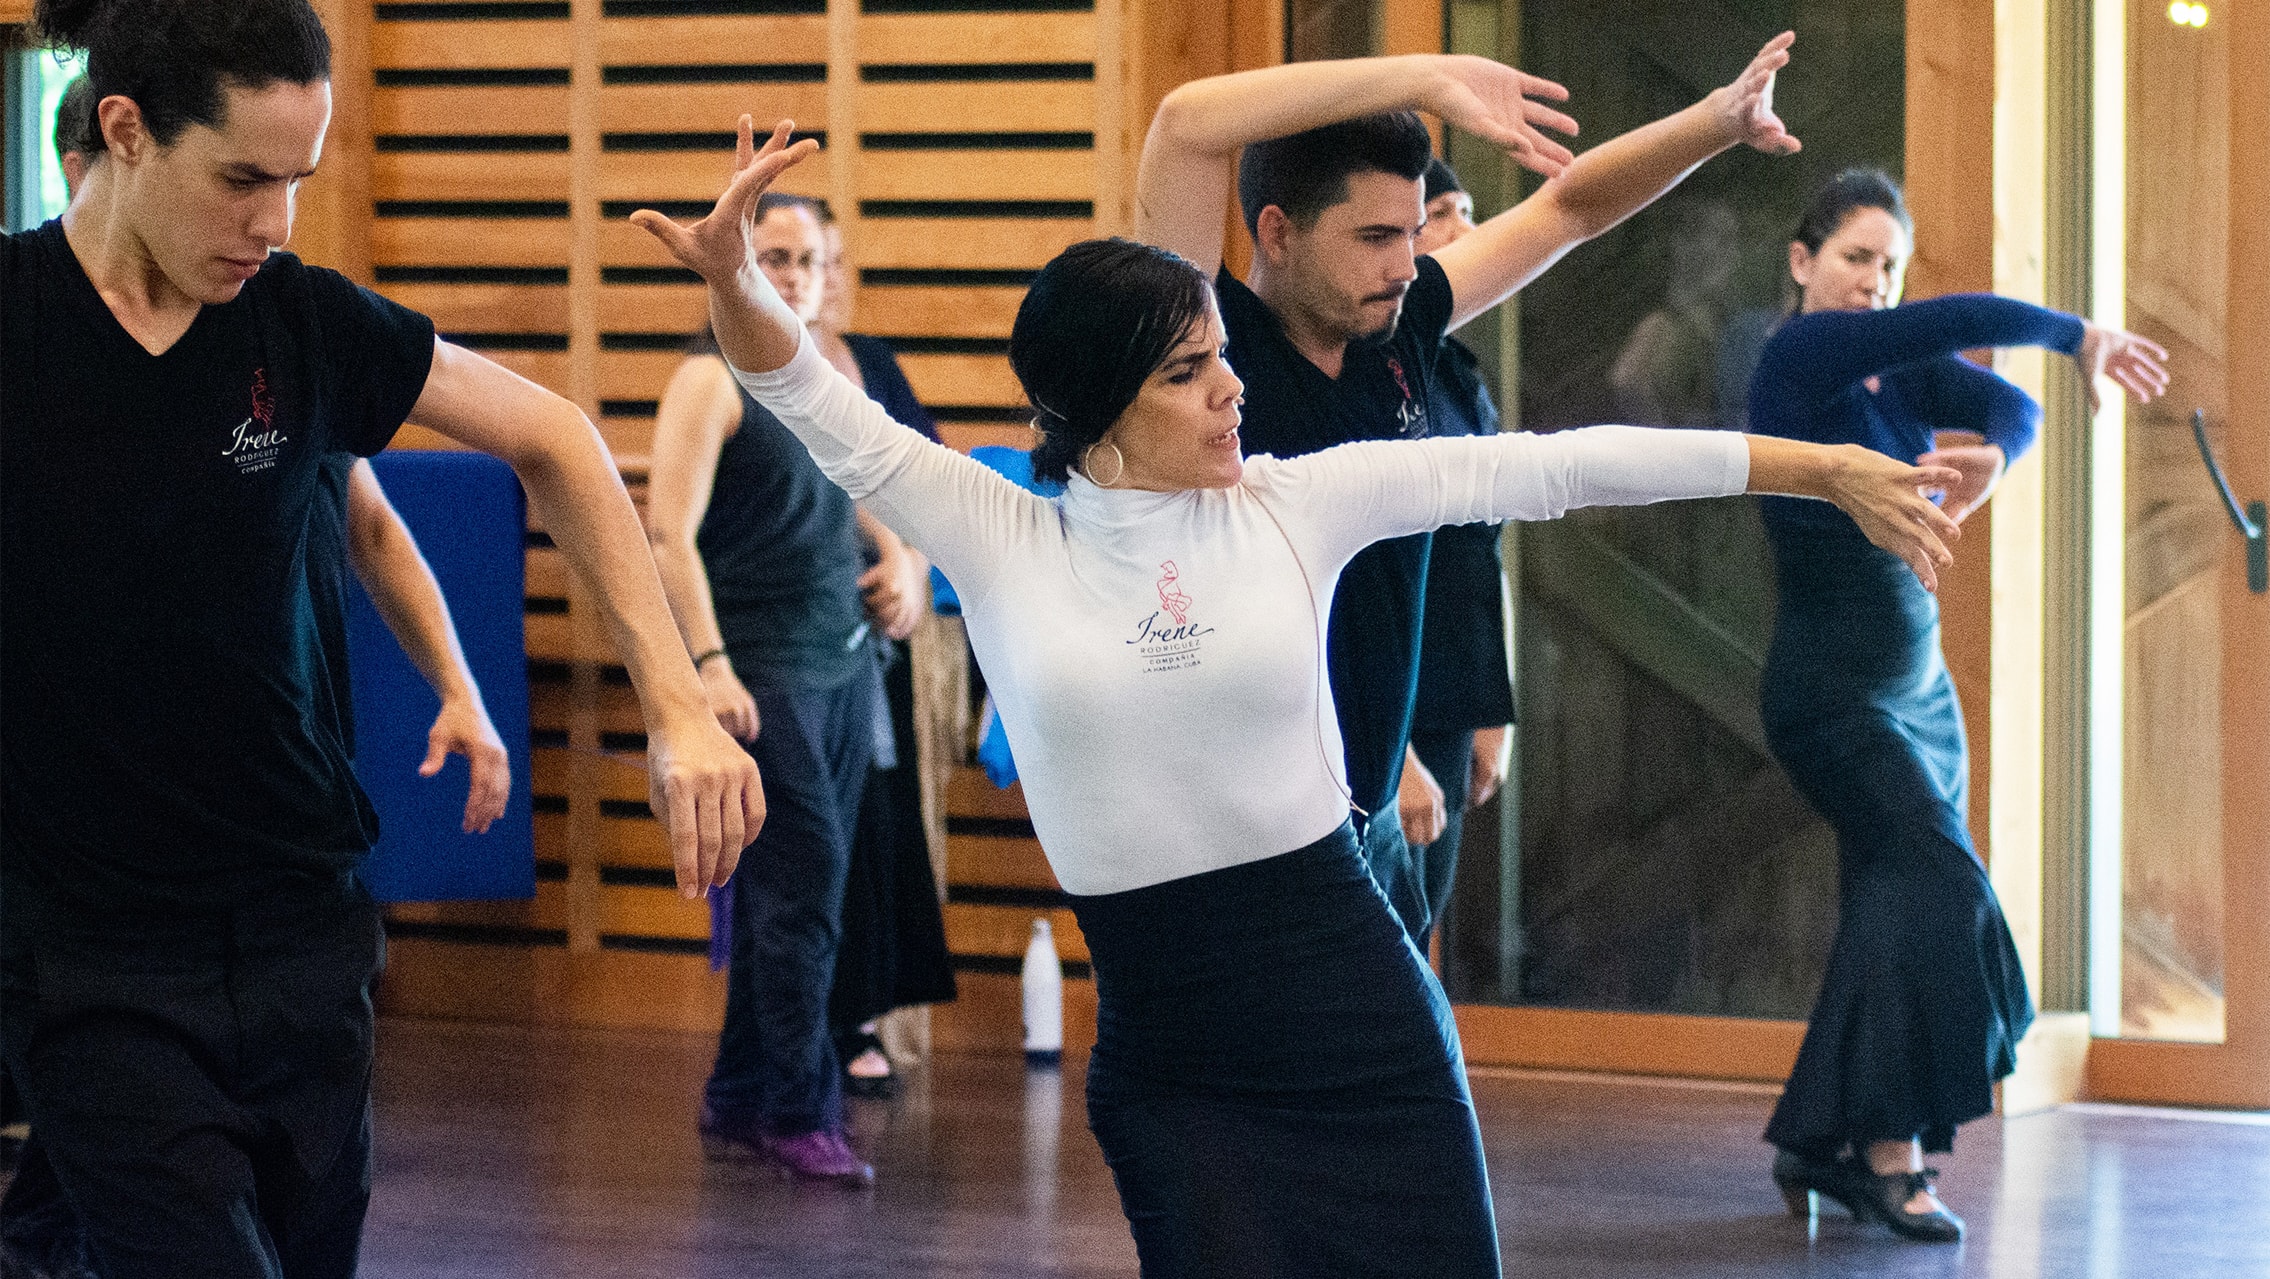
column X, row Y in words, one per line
column 1337, row 331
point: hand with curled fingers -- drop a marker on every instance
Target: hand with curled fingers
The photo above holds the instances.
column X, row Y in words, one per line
column 1498, row 104
column 1980, row 465
column 717, row 246
column 706, row 792
column 1746, row 105
column 2137, row 364
column 1886, row 498
column 463, row 728
column 729, row 699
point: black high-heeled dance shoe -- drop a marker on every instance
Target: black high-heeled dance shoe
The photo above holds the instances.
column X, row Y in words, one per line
column 1803, row 1181
column 1883, row 1197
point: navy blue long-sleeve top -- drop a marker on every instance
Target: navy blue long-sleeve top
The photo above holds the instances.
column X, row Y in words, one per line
column 1811, row 381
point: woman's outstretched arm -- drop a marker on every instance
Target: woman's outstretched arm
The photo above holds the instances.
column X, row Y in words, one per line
column 961, row 514
column 1359, row 493
column 1821, row 353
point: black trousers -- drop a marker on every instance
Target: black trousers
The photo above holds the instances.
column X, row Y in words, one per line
column 199, row 1085
column 1449, row 756
column 776, row 1063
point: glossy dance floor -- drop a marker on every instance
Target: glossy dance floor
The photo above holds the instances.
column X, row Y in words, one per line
column 513, row 1152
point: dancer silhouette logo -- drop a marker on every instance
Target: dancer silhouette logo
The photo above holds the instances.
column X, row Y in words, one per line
column 1411, row 415
column 256, row 443
column 1168, row 640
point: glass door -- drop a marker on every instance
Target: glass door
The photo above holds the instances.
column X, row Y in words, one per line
column 1652, row 894
column 2179, row 981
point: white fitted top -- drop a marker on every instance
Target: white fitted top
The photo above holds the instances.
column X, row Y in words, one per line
column 1157, row 659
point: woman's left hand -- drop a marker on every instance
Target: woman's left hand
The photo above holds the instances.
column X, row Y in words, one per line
column 2138, row 364
column 1981, row 467
column 1885, row 497
column 717, row 246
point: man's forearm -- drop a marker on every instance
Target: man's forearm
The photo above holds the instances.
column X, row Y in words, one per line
column 685, row 584
column 386, row 560
column 1218, row 115
column 410, row 602
column 1625, row 174
column 579, row 498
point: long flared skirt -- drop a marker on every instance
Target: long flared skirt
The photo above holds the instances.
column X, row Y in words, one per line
column 1923, row 1000
column 1276, row 1083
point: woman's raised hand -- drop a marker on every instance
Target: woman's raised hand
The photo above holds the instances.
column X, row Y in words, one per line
column 718, row 246
column 1885, row 497
column 2138, row 364
column 1492, row 101
column 1746, row 105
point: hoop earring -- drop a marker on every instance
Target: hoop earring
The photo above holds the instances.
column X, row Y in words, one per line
column 1090, row 468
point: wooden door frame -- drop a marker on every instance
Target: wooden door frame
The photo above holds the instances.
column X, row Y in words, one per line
column 2235, row 1072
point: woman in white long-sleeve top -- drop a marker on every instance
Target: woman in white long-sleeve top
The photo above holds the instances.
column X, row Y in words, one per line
column 1276, row 1081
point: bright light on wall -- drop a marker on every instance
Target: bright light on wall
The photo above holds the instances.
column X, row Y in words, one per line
column 2187, row 15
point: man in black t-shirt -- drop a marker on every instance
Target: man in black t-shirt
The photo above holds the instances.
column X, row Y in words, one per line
column 1338, row 330
column 185, row 951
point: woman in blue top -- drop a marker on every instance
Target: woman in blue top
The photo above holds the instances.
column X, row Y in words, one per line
column 1923, row 1000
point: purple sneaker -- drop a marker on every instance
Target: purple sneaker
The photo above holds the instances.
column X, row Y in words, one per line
column 819, row 1156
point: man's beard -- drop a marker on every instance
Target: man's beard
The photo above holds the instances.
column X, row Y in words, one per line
column 1383, row 335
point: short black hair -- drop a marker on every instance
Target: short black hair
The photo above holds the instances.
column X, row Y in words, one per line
column 1307, row 173
column 76, row 128
column 172, row 56
column 1843, row 195
column 1441, row 179
column 1099, row 319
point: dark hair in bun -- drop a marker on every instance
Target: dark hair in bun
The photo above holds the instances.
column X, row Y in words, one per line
column 173, row 56
column 1844, row 195
column 1100, row 318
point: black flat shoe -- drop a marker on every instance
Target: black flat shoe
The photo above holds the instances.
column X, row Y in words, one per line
column 1883, row 1197
column 1803, row 1181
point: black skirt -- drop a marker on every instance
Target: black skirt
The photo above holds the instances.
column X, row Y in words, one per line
column 1276, row 1082
column 1923, row 1001
column 893, row 947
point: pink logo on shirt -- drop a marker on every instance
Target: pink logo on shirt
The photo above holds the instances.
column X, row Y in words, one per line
column 257, row 443
column 1172, row 595
column 1410, row 415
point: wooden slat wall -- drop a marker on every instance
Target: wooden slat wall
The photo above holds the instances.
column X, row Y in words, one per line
column 508, row 141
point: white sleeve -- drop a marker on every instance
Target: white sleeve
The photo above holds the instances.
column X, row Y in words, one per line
column 1357, row 494
column 960, row 513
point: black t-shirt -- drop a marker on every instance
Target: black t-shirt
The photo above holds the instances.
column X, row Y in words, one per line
column 1292, row 408
column 1463, row 682
column 781, row 548
column 167, row 734
column 327, row 569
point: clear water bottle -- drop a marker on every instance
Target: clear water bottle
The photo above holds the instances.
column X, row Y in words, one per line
column 1044, row 998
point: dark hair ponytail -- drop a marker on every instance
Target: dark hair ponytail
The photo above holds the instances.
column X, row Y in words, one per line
column 1843, row 195
column 1100, row 318
column 172, row 56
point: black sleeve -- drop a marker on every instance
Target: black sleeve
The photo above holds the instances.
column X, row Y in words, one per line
column 1965, row 397
column 887, row 384
column 1821, row 353
column 374, row 355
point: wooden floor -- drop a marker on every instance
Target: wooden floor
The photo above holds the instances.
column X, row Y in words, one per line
column 510, row 1152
